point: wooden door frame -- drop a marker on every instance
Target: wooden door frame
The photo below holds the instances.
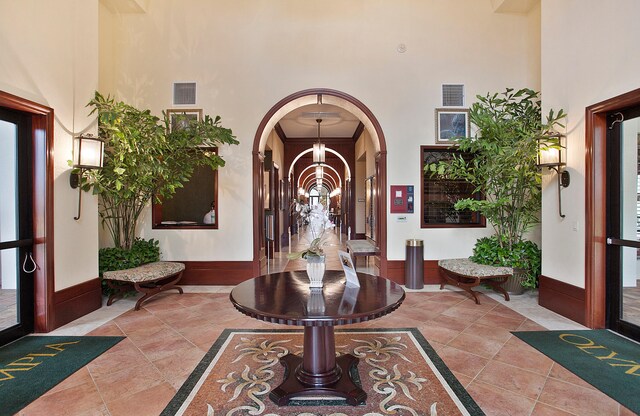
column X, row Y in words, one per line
column 595, row 204
column 257, row 183
column 42, row 136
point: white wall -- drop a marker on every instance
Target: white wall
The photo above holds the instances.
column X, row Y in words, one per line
column 49, row 54
column 590, row 52
column 246, row 55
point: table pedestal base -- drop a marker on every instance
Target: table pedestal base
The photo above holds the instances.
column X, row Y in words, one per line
column 318, row 372
column 292, row 387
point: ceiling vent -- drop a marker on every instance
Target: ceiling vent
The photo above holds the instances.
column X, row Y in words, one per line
column 184, row 93
column 452, row 95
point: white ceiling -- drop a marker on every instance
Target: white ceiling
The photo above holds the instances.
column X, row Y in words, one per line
column 336, row 122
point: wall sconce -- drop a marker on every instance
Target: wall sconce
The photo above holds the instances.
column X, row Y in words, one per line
column 335, row 192
column 551, row 154
column 87, row 154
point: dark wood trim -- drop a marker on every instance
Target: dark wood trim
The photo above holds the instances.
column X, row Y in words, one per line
column 358, row 132
column 258, row 213
column 395, row 272
column 42, row 118
column 382, row 177
column 76, row 301
column 595, row 204
column 562, row 298
column 280, row 132
column 216, row 272
column 381, row 173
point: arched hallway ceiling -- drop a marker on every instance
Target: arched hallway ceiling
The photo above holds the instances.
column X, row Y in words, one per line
column 337, row 122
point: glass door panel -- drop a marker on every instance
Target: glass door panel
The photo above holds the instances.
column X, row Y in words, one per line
column 16, row 285
column 8, row 224
column 623, row 223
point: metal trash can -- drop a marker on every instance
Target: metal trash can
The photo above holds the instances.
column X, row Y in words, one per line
column 414, row 264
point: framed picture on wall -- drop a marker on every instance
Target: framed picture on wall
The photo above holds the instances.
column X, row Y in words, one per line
column 451, row 123
column 180, row 118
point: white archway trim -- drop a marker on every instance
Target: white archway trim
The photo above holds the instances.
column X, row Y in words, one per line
column 312, row 174
column 326, row 149
column 324, row 165
column 281, row 112
column 350, row 107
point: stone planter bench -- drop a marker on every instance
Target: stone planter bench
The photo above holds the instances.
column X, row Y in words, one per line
column 149, row 279
column 466, row 274
column 364, row 248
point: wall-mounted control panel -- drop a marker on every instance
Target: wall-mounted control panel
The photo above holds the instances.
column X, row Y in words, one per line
column 402, row 199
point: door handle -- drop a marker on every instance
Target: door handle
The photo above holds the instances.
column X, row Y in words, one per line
column 622, row 242
column 34, row 266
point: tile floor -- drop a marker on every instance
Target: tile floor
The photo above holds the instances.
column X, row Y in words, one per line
column 170, row 334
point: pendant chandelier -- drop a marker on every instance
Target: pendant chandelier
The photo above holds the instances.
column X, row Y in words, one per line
column 318, row 148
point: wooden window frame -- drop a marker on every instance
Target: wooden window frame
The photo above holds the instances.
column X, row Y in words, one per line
column 479, row 221
column 157, row 214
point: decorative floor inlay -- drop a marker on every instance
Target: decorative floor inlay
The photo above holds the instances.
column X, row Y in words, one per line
column 401, row 373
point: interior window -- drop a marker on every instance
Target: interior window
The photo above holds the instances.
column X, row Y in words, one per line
column 440, row 195
column 194, row 206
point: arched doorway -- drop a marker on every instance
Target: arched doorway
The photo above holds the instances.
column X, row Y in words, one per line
column 269, row 121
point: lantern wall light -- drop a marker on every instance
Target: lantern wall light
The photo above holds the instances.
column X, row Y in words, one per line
column 552, row 155
column 88, row 153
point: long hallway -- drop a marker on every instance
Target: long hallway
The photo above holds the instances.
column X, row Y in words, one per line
column 170, row 334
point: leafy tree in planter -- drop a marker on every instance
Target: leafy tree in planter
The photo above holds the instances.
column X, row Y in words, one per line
column 503, row 168
column 143, row 159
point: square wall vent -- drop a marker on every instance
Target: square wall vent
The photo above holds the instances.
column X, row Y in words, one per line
column 453, row 95
column 184, row 93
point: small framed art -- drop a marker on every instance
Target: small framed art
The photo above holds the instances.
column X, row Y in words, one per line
column 451, row 123
column 181, row 118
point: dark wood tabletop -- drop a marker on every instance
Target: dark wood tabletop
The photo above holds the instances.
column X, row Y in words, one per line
column 285, row 298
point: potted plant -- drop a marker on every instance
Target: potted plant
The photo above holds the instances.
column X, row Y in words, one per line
column 144, row 159
column 504, row 169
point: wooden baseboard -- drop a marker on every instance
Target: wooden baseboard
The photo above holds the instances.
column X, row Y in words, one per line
column 395, row 272
column 216, row 272
column 562, row 298
column 76, row 301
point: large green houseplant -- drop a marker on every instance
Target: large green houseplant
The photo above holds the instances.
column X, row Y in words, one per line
column 144, row 159
column 504, row 169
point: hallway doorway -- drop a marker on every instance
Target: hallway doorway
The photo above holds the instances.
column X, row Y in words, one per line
column 339, row 172
column 33, row 238
column 623, row 222
column 607, row 234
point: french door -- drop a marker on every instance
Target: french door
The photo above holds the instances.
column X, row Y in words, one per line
column 16, row 227
column 623, row 222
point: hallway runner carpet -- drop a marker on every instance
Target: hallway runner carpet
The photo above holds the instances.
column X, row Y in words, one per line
column 603, row 359
column 32, row 365
column 401, row 373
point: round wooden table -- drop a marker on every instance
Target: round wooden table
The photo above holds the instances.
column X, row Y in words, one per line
column 285, row 298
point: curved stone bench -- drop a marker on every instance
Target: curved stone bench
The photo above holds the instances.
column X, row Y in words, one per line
column 150, row 279
column 466, row 274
